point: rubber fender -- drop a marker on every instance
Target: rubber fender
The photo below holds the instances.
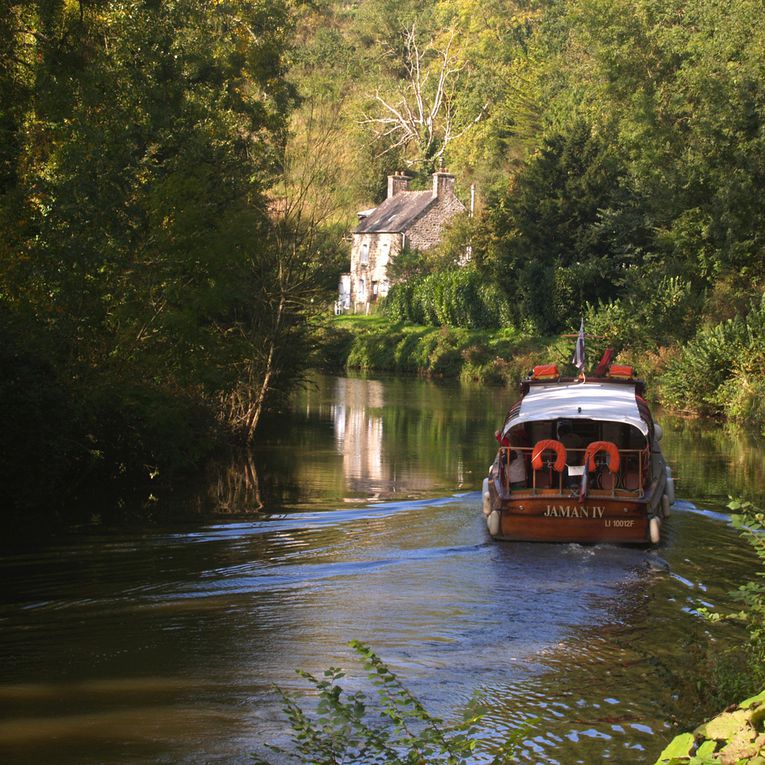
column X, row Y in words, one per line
column 670, row 490
column 492, row 522
column 486, row 496
column 669, row 487
column 654, row 526
column 665, row 503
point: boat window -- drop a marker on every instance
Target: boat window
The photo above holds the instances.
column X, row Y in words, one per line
column 587, row 430
column 623, row 435
column 612, row 431
column 539, row 430
column 633, row 438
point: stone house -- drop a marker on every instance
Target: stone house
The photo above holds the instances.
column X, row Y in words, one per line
column 411, row 219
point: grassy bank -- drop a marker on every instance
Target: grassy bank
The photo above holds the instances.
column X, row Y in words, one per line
column 717, row 373
column 502, row 356
column 374, row 343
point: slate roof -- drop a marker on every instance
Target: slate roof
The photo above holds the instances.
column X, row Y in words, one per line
column 397, row 213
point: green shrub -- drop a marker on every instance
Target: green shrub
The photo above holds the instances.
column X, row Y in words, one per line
column 140, row 428
column 741, row 397
column 457, row 297
column 503, row 356
column 406, row 353
column 374, row 350
column 750, row 521
column 737, row 734
column 446, row 356
column 42, row 448
column 720, row 370
column 332, row 344
column 654, row 313
column 734, row 736
column 399, row 305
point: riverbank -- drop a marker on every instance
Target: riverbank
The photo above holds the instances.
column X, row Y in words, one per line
column 376, row 344
column 717, row 374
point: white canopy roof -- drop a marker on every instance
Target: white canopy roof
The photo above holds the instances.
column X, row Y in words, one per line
column 610, row 402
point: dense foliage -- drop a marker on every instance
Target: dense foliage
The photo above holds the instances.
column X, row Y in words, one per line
column 374, row 343
column 450, row 298
column 155, row 266
column 737, row 734
column 176, row 179
column 721, row 369
column 617, row 149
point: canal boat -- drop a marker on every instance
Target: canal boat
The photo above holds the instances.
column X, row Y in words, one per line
column 579, row 461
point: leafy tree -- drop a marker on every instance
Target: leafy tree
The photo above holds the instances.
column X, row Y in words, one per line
column 681, row 82
column 138, row 237
column 552, row 253
column 500, row 59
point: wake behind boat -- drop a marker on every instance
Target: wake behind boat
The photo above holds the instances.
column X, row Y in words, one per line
column 579, row 461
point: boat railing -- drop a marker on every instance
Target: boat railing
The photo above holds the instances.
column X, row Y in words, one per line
column 628, row 480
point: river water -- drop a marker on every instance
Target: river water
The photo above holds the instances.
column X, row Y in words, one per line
column 359, row 517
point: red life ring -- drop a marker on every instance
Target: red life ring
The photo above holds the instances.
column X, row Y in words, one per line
column 543, row 446
column 603, row 446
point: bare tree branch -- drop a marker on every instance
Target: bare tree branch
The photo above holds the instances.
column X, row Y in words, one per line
column 424, row 120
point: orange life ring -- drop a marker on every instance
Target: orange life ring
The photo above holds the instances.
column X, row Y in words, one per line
column 543, row 446
column 609, row 448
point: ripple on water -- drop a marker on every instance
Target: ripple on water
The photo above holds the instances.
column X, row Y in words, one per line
column 576, row 649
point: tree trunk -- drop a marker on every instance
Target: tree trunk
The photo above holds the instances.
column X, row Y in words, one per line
column 256, row 407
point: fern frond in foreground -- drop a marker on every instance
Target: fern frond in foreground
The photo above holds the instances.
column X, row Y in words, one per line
column 392, row 729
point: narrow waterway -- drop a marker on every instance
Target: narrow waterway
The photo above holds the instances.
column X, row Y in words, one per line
column 359, row 517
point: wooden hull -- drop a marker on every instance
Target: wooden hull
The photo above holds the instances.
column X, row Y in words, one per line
column 551, row 516
column 563, row 519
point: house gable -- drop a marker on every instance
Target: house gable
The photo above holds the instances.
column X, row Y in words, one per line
column 406, row 218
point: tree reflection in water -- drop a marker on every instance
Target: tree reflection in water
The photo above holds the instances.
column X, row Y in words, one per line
column 235, row 490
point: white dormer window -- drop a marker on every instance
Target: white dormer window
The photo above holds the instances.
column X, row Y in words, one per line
column 364, row 259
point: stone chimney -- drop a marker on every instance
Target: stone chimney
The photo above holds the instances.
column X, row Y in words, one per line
column 443, row 183
column 397, row 183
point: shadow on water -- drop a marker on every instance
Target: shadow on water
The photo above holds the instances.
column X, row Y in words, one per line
column 359, row 517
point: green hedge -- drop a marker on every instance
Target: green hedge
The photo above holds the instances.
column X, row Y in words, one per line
column 375, row 343
column 450, row 298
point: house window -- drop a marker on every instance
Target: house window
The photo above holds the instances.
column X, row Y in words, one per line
column 365, row 254
column 362, row 290
column 374, row 288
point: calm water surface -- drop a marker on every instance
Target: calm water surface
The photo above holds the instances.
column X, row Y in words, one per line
column 360, row 517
